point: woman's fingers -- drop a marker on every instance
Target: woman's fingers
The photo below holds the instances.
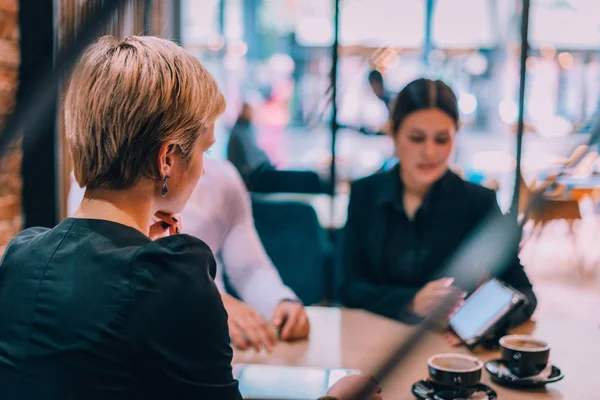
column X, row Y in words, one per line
column 165, row 223
column 175, row 225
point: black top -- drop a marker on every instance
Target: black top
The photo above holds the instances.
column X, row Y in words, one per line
column 93, row 309
column 387, row 258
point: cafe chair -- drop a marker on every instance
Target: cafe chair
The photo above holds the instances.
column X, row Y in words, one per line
column 297, row 244
column 551, row 203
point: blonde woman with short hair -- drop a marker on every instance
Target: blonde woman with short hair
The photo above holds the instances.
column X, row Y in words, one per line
column 113, row 303
column 103, row 306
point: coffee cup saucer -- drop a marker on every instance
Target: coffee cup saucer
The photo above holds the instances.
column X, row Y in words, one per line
column 500, row 373
column 428, row 390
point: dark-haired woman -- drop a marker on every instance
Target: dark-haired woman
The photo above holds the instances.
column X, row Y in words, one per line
column 403, row 224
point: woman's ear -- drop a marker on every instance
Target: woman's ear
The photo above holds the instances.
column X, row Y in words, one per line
column 166, row 158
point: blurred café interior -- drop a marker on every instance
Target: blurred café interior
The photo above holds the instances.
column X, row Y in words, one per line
column 311, row 87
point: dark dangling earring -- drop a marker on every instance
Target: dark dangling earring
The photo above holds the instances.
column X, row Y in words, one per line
column 165, row 189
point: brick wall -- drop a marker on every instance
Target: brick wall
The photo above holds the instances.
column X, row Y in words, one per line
column 10, row 165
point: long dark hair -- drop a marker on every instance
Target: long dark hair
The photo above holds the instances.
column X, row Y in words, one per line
column 422, row 94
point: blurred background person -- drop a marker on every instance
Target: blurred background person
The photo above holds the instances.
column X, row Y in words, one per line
column 242, row 148
column 373, row 109
column 273, row 118
column 378, row 87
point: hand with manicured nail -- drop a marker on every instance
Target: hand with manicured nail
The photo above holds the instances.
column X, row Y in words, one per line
column 165, row 224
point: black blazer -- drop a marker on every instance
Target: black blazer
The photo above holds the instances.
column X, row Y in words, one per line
column 92, row 309
column 388, row 258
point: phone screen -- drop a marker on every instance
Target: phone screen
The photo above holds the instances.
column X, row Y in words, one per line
column 481, row 308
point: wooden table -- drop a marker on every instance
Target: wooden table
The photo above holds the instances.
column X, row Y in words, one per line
column 342, row 338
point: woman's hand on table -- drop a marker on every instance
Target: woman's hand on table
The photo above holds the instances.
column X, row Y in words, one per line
column 291, row 320
column 246, row 327
column 347, row 388
column 164, row 224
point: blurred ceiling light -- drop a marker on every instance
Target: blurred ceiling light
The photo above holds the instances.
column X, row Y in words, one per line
column 508, row 111
column 237, row 48
column 531, row 62
column 476, row 64
column 216, row 42
column 565, row 60
column 282, row 64
column 547, row 50
column 467, row 103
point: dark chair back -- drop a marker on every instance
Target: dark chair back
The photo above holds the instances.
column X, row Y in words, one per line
column 297, row 244
column 276, row 181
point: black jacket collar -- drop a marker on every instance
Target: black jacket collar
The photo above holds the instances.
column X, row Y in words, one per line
column 389, row 193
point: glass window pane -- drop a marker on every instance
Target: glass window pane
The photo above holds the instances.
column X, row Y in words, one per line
column 382, row 22
column 454, row 27
column 579, row 22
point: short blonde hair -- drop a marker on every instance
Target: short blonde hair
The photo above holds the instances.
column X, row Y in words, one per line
column 126, row 98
